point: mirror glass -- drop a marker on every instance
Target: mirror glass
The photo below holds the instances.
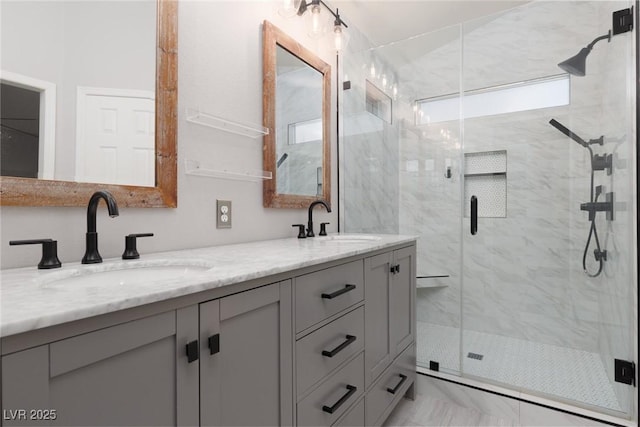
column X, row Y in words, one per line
column 114, row 78
column 299, row 126
column 296, row 108
column 78, row 91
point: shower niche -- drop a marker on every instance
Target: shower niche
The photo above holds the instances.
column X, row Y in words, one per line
column 485, row 176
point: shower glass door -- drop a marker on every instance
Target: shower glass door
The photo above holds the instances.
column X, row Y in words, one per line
column 540, row 145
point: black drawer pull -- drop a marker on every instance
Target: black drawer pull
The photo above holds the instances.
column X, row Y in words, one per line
column 331, row 409
column 338, row 349
column 192, row 351
column 344, row 290
column 403, row 378
column 214, row 344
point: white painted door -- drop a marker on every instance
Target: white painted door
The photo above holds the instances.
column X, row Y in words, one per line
column 115, row 139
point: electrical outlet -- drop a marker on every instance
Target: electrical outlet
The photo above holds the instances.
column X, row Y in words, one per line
column 223, row 213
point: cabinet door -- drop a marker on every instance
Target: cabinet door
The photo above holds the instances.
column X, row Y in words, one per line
column 378, row 350
column 402, row 300
column 246, row 367
column 135, row 373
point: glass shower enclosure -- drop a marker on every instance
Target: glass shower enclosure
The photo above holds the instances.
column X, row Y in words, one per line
column 518, row 176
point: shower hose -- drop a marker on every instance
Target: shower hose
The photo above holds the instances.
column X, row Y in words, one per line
column 593, row 232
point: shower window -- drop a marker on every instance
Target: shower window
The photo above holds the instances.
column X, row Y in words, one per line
column 553, row 91
column 308, row 131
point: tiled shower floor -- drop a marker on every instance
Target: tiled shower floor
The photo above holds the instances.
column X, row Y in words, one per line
column 560, row 371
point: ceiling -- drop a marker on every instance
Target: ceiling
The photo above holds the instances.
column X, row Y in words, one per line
column 387, row 21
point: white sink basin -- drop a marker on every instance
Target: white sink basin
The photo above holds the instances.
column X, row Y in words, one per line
column 351, row 238
column 134, row 273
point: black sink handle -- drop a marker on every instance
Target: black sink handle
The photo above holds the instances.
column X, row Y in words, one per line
column 49, row 252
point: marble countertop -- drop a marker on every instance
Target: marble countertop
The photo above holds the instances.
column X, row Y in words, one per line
column 31, row 299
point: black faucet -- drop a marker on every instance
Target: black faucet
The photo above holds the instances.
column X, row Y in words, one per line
column 310, row 223
column 91, row 255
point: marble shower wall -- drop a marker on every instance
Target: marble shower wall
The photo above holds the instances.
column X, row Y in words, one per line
column 369, row 148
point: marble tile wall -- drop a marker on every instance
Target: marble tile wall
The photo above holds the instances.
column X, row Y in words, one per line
column 369, row 149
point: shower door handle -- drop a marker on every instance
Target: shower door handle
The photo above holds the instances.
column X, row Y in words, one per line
column 474, row 215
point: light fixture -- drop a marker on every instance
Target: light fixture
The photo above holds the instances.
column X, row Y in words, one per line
column 314, row 6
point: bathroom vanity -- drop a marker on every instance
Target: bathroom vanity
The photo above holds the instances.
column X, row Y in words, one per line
column 285, row 332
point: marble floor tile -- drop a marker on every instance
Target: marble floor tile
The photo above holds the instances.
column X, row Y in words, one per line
column 428, row 411
column 564, row 372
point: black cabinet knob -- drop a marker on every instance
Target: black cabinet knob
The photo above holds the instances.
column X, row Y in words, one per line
column 49, row 252
column 214, row 344
column 192, row 351
column 130, row 247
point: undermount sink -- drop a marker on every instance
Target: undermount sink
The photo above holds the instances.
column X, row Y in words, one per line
column 126, row 273
column 351, row 238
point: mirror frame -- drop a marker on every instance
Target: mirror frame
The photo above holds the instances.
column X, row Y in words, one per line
column 271, row 38
column 37, row 192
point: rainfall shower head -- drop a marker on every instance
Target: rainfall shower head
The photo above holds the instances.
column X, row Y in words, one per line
column 576, row 65
column 556, row 124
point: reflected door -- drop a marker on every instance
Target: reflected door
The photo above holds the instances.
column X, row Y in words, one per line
column 116, row 141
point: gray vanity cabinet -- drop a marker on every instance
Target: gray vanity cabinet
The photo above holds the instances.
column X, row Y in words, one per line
column 330, row 344
column 389, row 308
column 246, row 358
column 135, row 373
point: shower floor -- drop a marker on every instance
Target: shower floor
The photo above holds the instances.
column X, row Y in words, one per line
column 565, row 372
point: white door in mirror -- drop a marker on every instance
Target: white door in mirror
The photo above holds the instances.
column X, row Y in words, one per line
column 115, row 137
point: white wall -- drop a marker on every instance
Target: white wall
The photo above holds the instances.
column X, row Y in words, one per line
column 220, row 71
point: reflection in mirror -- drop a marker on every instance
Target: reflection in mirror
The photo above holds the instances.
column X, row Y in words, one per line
column 299, row 121
column 89, row 95
column 296, row 105
column 78, row 81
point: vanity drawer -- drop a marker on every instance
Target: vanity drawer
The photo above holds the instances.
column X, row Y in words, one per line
column 355, row 417
column 335, row 395
column 326, row 292
column 339, row 340
column 391, row 386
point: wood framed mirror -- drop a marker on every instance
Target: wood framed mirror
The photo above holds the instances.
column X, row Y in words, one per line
column 46, row 192
column 296, row 109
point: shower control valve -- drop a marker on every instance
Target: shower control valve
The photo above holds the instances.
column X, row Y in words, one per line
column 602, row 162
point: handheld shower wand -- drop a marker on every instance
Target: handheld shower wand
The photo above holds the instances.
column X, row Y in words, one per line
column 593, row 205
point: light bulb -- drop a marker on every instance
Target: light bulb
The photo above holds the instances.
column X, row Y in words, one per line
column 337, row 34
column 373, row 70
column 384, row 81
column 315, row 20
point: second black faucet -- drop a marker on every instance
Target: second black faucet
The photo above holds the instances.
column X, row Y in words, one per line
column 310, row 222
